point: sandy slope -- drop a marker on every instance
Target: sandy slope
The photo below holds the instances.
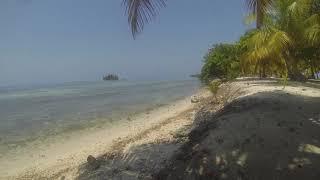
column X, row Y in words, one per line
column 63, row 159
column 266, row 133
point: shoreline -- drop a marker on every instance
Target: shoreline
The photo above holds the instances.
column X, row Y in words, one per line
column 247, row 123
column 72, row 152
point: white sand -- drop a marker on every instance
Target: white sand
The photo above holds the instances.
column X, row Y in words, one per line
column 145, row 133
column 67, row 155
column 267, row 132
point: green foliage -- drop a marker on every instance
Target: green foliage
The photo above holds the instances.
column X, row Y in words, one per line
column 286, row 45
column 214, row 86
column 222, row 61
column 288, row 42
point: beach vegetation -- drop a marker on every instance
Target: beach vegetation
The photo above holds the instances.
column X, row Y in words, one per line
column 222, row 61
column 288, row 42
column 214, row 86
column 284, row 44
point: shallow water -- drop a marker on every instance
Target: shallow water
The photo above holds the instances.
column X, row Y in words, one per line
column 35, row 114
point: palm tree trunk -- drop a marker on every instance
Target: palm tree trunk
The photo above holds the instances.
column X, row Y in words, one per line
column 313, row 72
column 293, row 71
column 259, row 12
column 264, row 75
column 257, row 68
column 260, row 73
column 258, row 26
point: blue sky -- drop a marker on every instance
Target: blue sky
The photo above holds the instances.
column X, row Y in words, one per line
column 44, row 41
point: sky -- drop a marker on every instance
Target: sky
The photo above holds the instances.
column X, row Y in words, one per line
column 52, row 41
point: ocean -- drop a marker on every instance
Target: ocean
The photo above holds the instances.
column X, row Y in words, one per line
column 31, row 115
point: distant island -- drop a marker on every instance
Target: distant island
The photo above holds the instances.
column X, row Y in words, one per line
column 195, row 75
column 111, row 77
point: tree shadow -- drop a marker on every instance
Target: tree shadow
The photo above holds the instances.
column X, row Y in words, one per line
column 267, row 135
column 281, row 83
column 139, row 163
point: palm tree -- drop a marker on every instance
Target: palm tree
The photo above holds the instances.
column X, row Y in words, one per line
column 289, row 40
column 259, row 8
column 141, row 12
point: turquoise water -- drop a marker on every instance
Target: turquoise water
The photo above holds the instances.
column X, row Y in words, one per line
column 33, row 114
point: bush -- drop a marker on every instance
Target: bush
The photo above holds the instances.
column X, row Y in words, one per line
column 214, row 86
column 222, row 61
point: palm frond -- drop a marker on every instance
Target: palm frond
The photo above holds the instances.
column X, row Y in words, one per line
column 279, row 41
column 259, row 5
column 250, row 18
column 313, row 34
column 141, row 12
column 266, row 46
column 312, row 20
column 260, row 8
column 300, row 8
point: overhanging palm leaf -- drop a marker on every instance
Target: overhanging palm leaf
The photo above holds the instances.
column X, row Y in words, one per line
column 141, row 12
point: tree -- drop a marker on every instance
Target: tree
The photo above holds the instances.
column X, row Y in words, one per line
column 259, row 8
column 288, row 40
column 221, row 61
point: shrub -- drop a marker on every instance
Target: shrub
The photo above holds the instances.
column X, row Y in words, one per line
column 214, row 86
column 221, row 62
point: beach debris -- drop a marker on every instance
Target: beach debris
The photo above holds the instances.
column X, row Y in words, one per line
column 291, row 129
column 301, row 123
column 219, row 140
column 194, row 99
column 247, row 141
column 93, row 162
column 115, row 171
column 279, row 124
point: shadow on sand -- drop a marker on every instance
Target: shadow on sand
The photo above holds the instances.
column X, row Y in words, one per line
column 264, row 136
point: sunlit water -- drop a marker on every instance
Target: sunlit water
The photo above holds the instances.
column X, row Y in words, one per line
column 36, row 114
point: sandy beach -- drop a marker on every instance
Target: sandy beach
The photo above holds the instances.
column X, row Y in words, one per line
column 160, row 90
column 254, row 129
column 267, row 132
column 51, row 160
